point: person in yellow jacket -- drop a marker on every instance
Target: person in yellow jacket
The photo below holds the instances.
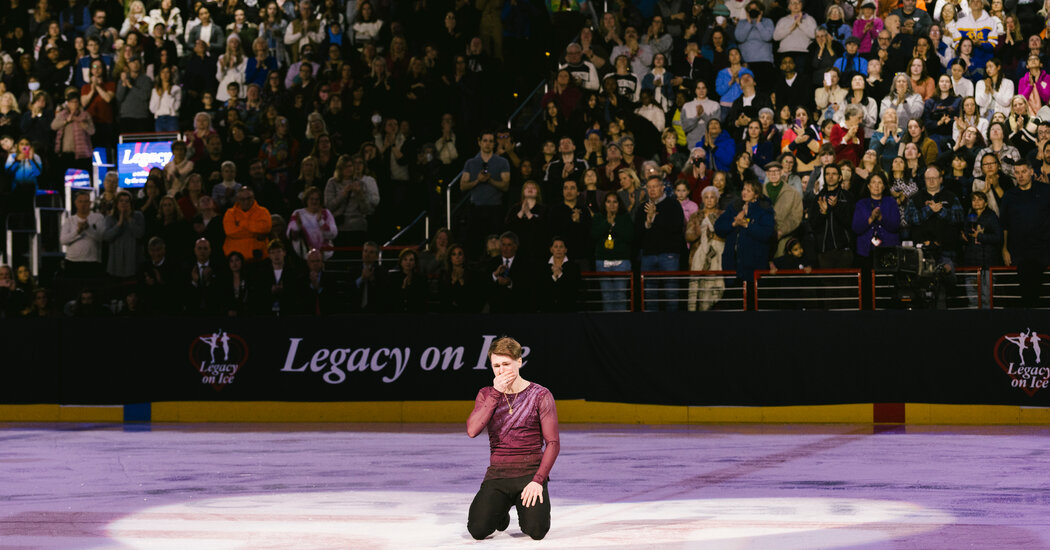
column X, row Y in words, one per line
column 247, row 225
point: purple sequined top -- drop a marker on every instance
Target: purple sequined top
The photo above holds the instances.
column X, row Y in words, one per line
column 516, row 441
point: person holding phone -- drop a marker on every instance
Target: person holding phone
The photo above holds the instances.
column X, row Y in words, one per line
column 522, row 423
column 24, row 168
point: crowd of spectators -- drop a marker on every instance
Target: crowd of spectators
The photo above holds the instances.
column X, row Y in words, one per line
column 737, row 135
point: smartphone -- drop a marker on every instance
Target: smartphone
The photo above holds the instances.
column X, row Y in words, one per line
column 827, row 78
column 798, row 122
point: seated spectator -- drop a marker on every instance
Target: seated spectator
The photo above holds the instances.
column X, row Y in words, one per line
column 1007, row 154
column 12, row 299
column 794, row 258
column 369, row 281
column 247, row 225
column 87, row 305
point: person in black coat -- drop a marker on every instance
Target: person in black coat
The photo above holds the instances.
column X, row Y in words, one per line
column 831, row 217
column 406, row 288
column 571, row 220
column 459, row 287
column 367, row 281
column 276, row 286
column 659, row 232
column 159, row 280
column 510, row 278
column 323, row 293
column 558, row 287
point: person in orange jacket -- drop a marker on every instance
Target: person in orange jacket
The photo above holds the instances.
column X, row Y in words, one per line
column 247, row 225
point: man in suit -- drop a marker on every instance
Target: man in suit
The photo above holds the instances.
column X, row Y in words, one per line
column 277, row 286
column 202, row 287
column 510, row 278
column 368, row 281
column 321, row 295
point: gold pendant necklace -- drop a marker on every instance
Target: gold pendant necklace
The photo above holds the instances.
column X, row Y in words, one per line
column 510, row 404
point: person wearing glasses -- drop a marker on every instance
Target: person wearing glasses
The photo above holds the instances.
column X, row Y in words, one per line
column 935, row 218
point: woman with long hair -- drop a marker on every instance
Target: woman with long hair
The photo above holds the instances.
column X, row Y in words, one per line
column 612, row 232
column 802, row 140
column 230, row 67
column 992, row 180
column 916, row 133
column 233, row 287
column 631, row 193
column 165, row 101
column 921, row 83
column 858, row 95
column 903, row 100
column 994, row 92
column 902, row 186
column 458, row 288
column 969, row 116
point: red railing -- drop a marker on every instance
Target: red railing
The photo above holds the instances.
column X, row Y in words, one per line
column 688, row 277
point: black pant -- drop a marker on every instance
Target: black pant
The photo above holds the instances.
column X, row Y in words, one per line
column 492, row 504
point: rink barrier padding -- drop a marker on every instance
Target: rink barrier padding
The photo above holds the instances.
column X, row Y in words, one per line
column 569, row 412
column 630, row 367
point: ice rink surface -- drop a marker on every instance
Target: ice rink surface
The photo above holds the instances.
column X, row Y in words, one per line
column 204, row 487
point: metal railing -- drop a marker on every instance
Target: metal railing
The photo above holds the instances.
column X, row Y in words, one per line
column 607, row 291
column 1006, row 288
column 960, row 290
column 828, row 289
column 691, row 291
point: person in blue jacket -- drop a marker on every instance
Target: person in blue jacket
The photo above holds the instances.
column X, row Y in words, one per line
column 718, row 146
column 747, row 227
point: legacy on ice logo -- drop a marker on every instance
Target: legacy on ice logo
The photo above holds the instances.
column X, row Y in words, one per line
column 218, row 357
column 1020, row 356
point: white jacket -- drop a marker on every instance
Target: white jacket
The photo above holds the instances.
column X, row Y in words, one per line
column 991, row 101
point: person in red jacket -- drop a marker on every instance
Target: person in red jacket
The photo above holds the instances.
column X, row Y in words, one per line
column 247, row 226
column 520, row 417
column 848, row 137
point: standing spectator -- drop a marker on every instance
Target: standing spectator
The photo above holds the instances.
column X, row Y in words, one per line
column 718, row 146
column 74, row 128
column 406, row 288
column 876, row 220
column 848, row 137
column 485, row 178
column 982, row 247
column 512, row 278
column 982, row 29
column 303, row 30
column 558, row 284
column 82, row 235
column 613, row 233
column 696, row 114
column 831, row 217
column 312, row 227
column 124, row 230
column 566, row 166
column 787, row 206
column 231, row 67
column 571, row 221
column 277, row 286
column 25, row 168
column 247, row 226
column 96, row 95
column 133, row 95
column 351, row 196
column 935, row 218
column 755, row 36
column 795, row 32
column 747, row 225
column 1025, row 219
column 659, row 230
column 867, row 26
column 165, row 101
column 206, row 31
column 902, row 99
